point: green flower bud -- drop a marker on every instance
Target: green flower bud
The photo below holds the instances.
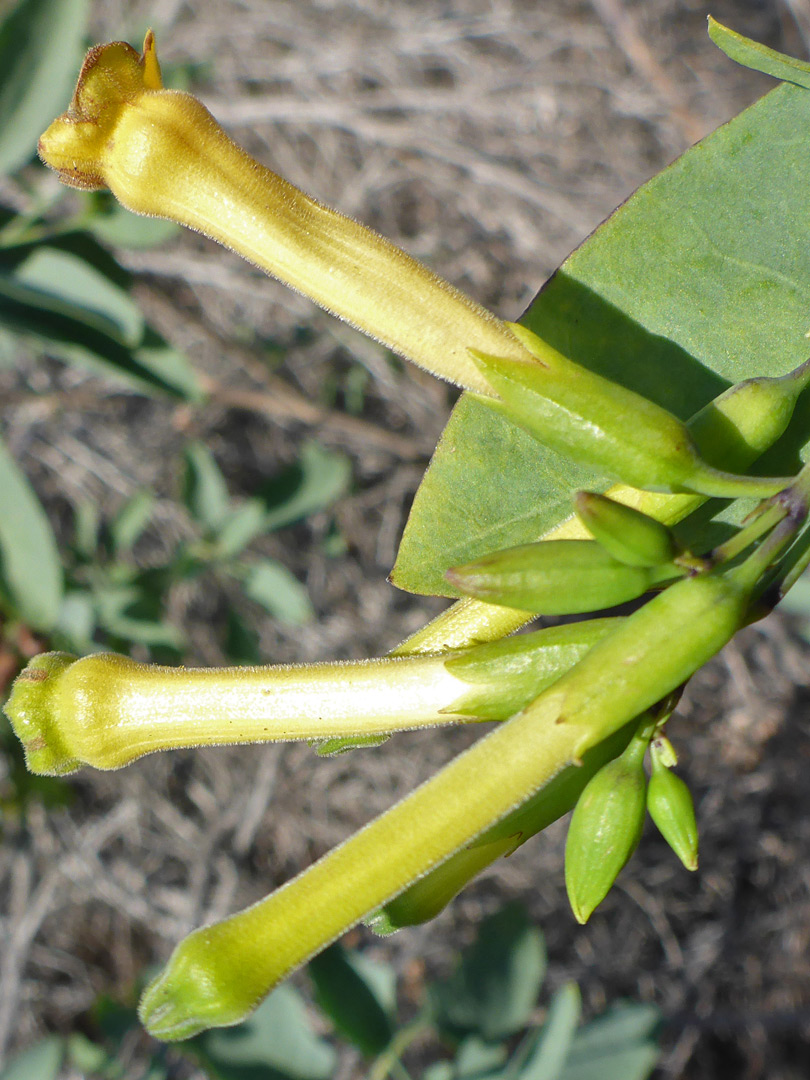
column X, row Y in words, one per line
column 604, row 425
column 629, row 535
column 424, row 899
column 556, row 577
column 605, row 829
column 670, row 804
column 748, row 418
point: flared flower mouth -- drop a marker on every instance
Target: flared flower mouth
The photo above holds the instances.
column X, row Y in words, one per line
column 77, row 143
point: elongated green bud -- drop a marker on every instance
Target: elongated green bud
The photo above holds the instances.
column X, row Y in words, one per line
column 605, row 829
column 424, row 899
column 630, row 536
column 556, row 577
column 670, row 804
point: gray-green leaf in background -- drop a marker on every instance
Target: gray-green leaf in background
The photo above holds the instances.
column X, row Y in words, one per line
column 30, row 570
column 131, row 520
column 621, row 1045
column 318, row 478
column 277, row 1042
column 278, row 591
column 495, row 987
column 548, row 1049
column 701, row 279
column 85, row 315
column 40, row 1062
column 350, row 999
column 205, row 492
column 41, row 43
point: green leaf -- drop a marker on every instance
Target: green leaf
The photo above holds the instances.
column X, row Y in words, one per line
column 624, row 1023
column 634, row 1063
column 86, row 1056
column 30, row 571
column 275, row 1043
column 545, row 1055
column 131, row 520
column 76, row 622
column 349, row 999
column 495, row 988
column 40, row 49
column 241, row 640
column 279, row 592
column 205, row 493
column 241, row 526
column 86, row 526
column 41, row 1062
column 475, row 1059
column 113, row 224
column 701, row 279
column 754, row 55
column 314, row 483
column 617, row 1046
column 76, row 307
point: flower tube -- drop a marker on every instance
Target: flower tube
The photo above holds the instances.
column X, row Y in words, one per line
column 162, row 153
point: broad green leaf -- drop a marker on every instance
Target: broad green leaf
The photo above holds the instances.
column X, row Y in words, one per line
column 83, row 315
column 495, row 988
column 276, row 1042
column 205, row 493
column 279, row 592
column 41, row 1062
column 40, row 49
column 700, row 279
column 66, row 278
column 349, row 999
column 319, row 478
column 30, row 571
column 86, row 527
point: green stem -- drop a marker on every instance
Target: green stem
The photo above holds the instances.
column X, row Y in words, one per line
column 389, row 1059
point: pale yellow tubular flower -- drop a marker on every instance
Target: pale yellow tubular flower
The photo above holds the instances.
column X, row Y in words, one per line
column 162, row 153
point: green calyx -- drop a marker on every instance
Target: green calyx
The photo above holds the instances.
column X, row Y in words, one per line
column 604, row 425
column 605, row 828
column 557, row 577
column 670, row 805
